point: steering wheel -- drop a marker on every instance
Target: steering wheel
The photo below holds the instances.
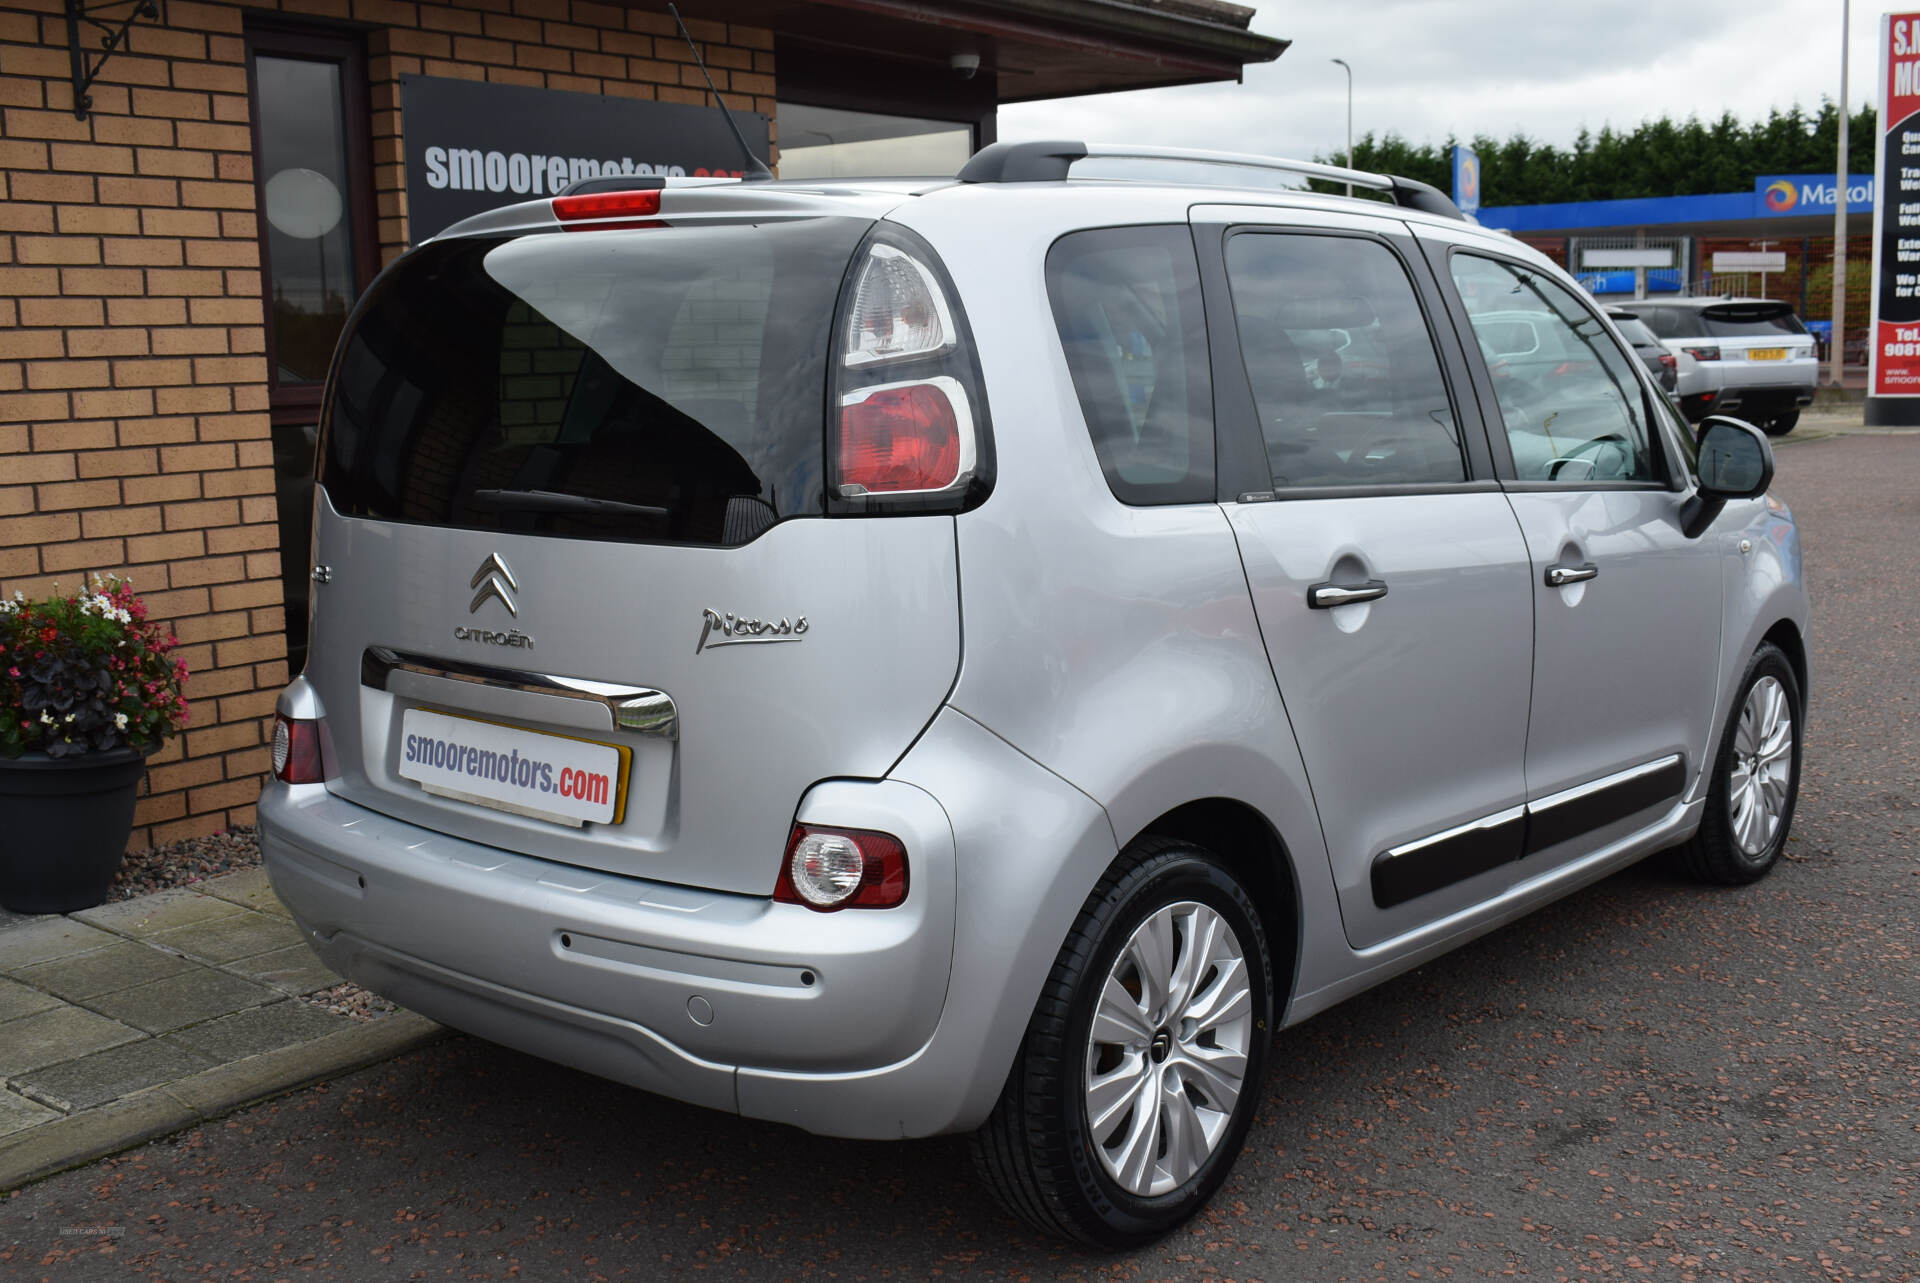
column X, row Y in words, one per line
column 1588, row 452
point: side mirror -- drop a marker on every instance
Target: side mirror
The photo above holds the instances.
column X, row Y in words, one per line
column 1736, row 462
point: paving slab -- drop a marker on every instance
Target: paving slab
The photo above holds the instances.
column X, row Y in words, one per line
column 294, row 969
column 59, row 1034
column 32, row 940
column 186, row 999
column 17, row 1113
column 17, row 1000
column 108, row 1075
column 249, row 889
column 249, row 1033
column 120, row 965
column 149, row 915
column 244, row 935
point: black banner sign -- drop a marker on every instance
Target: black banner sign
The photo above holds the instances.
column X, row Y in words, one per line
column 473, row 146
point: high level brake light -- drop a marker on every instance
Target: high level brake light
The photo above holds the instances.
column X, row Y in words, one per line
column 593, row 209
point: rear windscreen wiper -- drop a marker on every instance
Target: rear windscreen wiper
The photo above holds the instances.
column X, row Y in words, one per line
column 554, row 501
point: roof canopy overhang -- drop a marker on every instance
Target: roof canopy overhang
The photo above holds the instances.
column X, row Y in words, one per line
column 1028, row 49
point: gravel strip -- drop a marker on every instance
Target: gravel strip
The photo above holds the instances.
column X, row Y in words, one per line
column 348, row 999
column 161, row 868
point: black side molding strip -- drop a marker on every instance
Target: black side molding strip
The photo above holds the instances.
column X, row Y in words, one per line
column 1409, row 872
column 1554, row 820
column 1421, row 868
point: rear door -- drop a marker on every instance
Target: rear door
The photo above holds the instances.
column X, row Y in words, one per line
column 1627, row 608
column 583, row 599
column 1388, row 574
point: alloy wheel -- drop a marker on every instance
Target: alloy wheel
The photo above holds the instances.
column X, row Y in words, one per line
column 1761, row 773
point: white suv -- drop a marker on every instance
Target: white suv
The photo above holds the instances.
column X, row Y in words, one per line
column 1751, row 356
column 980, row 656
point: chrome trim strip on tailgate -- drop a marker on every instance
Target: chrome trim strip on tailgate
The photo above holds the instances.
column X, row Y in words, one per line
column 629, row 708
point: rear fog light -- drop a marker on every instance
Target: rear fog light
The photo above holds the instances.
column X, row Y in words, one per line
column 829, row 869
column 296, row 751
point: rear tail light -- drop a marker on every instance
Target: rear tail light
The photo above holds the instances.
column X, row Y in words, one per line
column 904, row 438
column 1668, row 361
column 898, row 310
column 829, row 869
column 1702, row 353
column 296, row 751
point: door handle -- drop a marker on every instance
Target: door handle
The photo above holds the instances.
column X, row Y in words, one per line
column 1328, row 595
column 1561, row 576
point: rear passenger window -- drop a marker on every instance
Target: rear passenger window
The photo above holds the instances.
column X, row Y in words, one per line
column 1343, row 369
column 1127, row 303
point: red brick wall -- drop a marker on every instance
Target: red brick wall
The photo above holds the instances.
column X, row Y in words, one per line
column 134, row 426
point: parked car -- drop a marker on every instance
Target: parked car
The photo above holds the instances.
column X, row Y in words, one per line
column 1140, row 623
column 1754, row 356
column 1662, row 364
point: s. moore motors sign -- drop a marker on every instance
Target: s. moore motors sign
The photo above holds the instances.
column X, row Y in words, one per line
column 472, row 146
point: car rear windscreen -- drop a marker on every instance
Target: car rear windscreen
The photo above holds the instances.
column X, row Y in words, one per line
column 1736, row 322
column 659, row 384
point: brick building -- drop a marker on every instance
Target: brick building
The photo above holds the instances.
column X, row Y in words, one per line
column 164, row 333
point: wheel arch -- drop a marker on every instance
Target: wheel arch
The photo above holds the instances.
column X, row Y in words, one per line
column 1247, row 841
column 1785, row 634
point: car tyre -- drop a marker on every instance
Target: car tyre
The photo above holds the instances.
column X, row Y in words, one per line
column 1115, row 1125
column 1781, row 424
column 1756, row 778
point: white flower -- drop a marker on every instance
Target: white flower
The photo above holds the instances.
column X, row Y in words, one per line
column 68, row 718
column 46, row 717
column 119, row 721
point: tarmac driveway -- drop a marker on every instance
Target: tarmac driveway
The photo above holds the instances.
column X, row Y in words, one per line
column 1647, row 1080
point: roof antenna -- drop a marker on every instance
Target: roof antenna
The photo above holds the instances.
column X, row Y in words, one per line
column 757, row 171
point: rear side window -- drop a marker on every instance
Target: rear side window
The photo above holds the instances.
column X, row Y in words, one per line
column 1342, row 366
column 663, row 384
column 1634, row 331
column 1127, row 304
column 1673, row 322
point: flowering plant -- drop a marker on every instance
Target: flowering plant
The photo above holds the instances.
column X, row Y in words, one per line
column 86, row 673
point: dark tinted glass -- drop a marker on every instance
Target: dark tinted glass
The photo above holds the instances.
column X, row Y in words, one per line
column 1672, row 322
column 310, row 252
column 655, row 384
column 1733, row 324
column 1344, row 373
column 1635, row 331
column 1126, row 301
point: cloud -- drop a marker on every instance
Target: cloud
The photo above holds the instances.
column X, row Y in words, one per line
column 1428, row 69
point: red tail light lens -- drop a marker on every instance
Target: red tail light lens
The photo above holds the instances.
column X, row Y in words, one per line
column 829, row 869
column 1668, row 361
column 1702, row 353
column 642, row 203
column 902, row 438
column 296, row 751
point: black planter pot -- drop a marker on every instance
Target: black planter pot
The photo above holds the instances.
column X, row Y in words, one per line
column 64, row 823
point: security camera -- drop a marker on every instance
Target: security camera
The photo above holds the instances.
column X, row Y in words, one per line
column 964, row 65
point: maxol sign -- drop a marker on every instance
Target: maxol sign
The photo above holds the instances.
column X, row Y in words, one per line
column 1787, row 195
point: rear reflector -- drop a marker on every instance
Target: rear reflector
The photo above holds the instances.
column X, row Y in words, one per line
column 828, row 869
column 296, row 751
column 903, row 438
column 643, row 203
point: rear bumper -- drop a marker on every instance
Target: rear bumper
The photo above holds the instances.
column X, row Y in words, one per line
column 677, row 991
column 1748, row 401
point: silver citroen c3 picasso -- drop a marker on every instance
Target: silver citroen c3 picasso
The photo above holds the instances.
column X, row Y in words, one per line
column 913, row 657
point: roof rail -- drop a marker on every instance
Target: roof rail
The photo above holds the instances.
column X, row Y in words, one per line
column 1048, row 162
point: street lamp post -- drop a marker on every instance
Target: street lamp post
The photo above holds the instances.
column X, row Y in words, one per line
column 1837, row 353
column 1343, row 63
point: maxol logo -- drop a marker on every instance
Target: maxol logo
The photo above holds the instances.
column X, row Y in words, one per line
column 1782, row 196
column 1808, row 193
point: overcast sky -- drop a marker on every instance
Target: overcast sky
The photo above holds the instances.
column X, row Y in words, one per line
column 1429, row 68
